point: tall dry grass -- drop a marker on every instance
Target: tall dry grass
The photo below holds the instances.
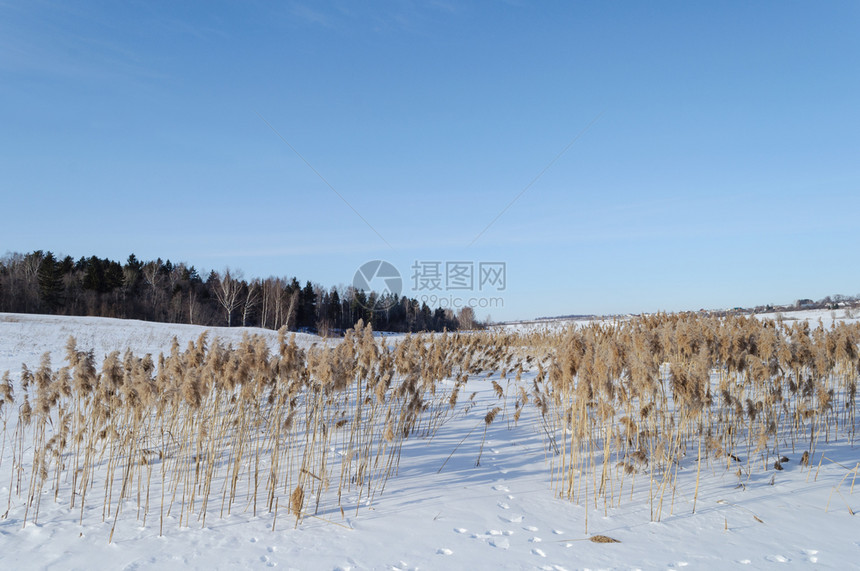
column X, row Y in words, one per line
column 626, row 403
column 210, row 430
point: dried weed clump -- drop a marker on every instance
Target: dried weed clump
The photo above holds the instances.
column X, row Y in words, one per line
column 639, row 396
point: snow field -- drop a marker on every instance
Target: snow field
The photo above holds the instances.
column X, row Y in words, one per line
column 441, row 510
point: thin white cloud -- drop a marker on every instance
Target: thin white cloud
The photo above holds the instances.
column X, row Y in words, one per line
column 310, row 15
column 57, row 41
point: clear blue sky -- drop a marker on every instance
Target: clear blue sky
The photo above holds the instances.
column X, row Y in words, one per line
column 717, row 164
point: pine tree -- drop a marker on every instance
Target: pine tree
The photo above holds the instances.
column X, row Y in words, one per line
column 334, row 309
column 50, row 282
column 307, row 307
column 94, row 275
column 131, row 272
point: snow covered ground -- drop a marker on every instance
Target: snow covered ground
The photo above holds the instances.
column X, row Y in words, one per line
column 815, row 317
column 812, row 316
column 447, row 513
column 24, row 338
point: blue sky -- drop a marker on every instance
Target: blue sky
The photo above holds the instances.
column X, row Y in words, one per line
column 715, row 156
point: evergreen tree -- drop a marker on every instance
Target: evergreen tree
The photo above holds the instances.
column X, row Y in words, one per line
column 333, row 310
column 94, row 277
column 50, row 282
column 426, row 319
column 113, row 275
column 131, row 272
column 67, row 266
column 306, row 316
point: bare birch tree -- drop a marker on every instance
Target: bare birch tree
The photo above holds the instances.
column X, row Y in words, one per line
column 292, row 311
column 252, row 299
column 227, row 291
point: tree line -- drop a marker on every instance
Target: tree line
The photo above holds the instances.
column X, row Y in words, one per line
column 156, row 290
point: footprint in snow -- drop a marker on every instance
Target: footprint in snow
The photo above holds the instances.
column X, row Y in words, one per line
column 444, row 551
column 778, row 558
column 460, row 529
column 538, row 552
column 812, row 555
column 501, row 488
column 492, row 535
column 504, row 506
column 500, row 543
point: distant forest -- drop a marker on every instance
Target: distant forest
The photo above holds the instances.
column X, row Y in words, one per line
column 159, row 290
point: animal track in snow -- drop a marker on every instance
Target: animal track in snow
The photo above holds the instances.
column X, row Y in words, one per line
column 538, row 552
column 350, row 564
column 493, row 534
column 444, row 551
column 501, row 488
